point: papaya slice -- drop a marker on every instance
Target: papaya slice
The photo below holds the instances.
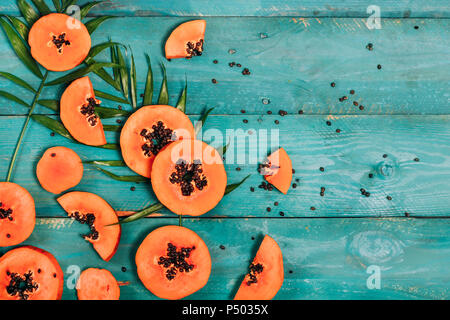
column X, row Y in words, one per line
column 59, row 169
column 78, row 114
column 173, row 262
column 277, row 170
column 265, row 275
column 97, row 284
column 88, row 208
column 189, row 177
column 186, row 40
column 59, row 42
column 148, row 131
column 17, row 214
column 30, row 273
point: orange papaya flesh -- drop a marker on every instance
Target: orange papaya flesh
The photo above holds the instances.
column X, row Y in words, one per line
column 30, row 273
column 97, row 284
column 59, row 169
column 59, row 42
column 77, row 112
column 186, row 40
column 17, row 214
column 88, row 208
column 173, row 262
column 266, row 274
column 189, row 177
column 147, row 131
column 277, row 170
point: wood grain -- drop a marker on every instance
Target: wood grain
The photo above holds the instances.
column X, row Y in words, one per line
column 419, row 188
column 328, row 257
column 291, row 68
column 264, row 8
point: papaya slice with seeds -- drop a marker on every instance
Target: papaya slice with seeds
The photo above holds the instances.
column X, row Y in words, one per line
column 277, row 170
column 30, row 273
column 189, row 177
column 186, row 40
column 266, row 274
column 78, row 114
column 97, row 284
column 173, row 262
column 59, row 169
column 17, row 214
column 148, row 131
column 59, row 42
column 88, row 208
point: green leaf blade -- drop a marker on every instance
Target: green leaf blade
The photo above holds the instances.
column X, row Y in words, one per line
column 134, row 178
column 231, row 187
column 181, row 104
column 164, row 92
column 21, row 28
column 50, row 104
column 20, row 48
column 42, row 7
column 148, row 92
column 93, row 24
column 12, row 97
column 107, row 163
column 17, row 81
column 107, row 96
column 81, row 72
column 133, row 84
column 143, row 213
column 30, row 15
column 85, row 9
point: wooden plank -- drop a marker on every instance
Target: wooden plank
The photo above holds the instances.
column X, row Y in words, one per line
column 308, row 8
column 291, row 68
column 328, row 258
column 417, row 187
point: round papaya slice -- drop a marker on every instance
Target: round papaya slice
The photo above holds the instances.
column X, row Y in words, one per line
column 78, row 113
column 173, row 262
column 30, row 273
column 17, row 214
column 59, row 169
column 186, row 40
column 149, row 130
column 277, row 170
column 188, row 177
column 88, row 208
column 97, row 284
column 265, row 275
column 59, row 42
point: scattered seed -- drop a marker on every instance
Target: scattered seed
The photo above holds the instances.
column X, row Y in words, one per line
column 231, row 64
column 252, row 189
column 215, row 61
column 282, row 113
column 53, row 155
column 385, row 155
column 238, row 169
column 416, row 159
column 269, row 112
column 328, row 123
column 133, row 188
column 322, row 169
column 238, row 65
column 370, row 175
column 355, row 103
column 124, row 269
column 246, row 72
column 300, row 111
column 232, row 51
column 338, row 130
column 361, row 107
column 406, row 214
column 213, row 80
column 416, row 27
column 268, row 209
column 222, row 247
column 265, row 101
column 294, row 185
column 369, row 46
column 282, row 213
column 333, row 84
column 245, row 121
column 277, row 122
column 275, row 203
column 313, row 208
column 119, row 121
column 352, row 91
column 242, row 111
column 52, row 134
column 379, row 66
column 389, row 198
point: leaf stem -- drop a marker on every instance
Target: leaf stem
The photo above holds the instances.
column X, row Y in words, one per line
column 22, row 134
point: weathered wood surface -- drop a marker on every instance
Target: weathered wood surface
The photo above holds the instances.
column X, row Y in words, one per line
column 291, row 69
column 315, row 8
column 419, row 188
column 328, row 257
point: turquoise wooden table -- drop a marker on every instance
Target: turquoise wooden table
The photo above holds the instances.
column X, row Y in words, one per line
column 397, row 147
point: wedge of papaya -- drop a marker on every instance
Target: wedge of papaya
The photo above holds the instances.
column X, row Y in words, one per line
column 148, row 131
column 59, row 42
column 30, row 273
column 97, row 284
column 88, row 208
column 186, row 40
column 173, row 262
column 189, row 177
column 77, row 112
column 278, row 170
column 17, row 214
column 59, row 169
column 266, row 273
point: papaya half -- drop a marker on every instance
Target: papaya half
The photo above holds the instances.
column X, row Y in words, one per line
column 59, row 169
column 77, row 113
column 59, row 42
column 278, row 170
column 30, row 273
column 266, row 274
column 88, row 208
column 97, row 284
column 173, row 262
column 148, row 131
column 17, row 214
column 186, row 40
column 189, row 177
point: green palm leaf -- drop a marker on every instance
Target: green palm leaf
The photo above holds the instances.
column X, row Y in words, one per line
column 42, row 7
column 81, row 72
column 12, row 97
column 17, row 81
column 164, row 92
column 20, row 27
column 148, row 92
column 93, row 24
column 85, row 9
column 181, row 104
column 27, row 11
